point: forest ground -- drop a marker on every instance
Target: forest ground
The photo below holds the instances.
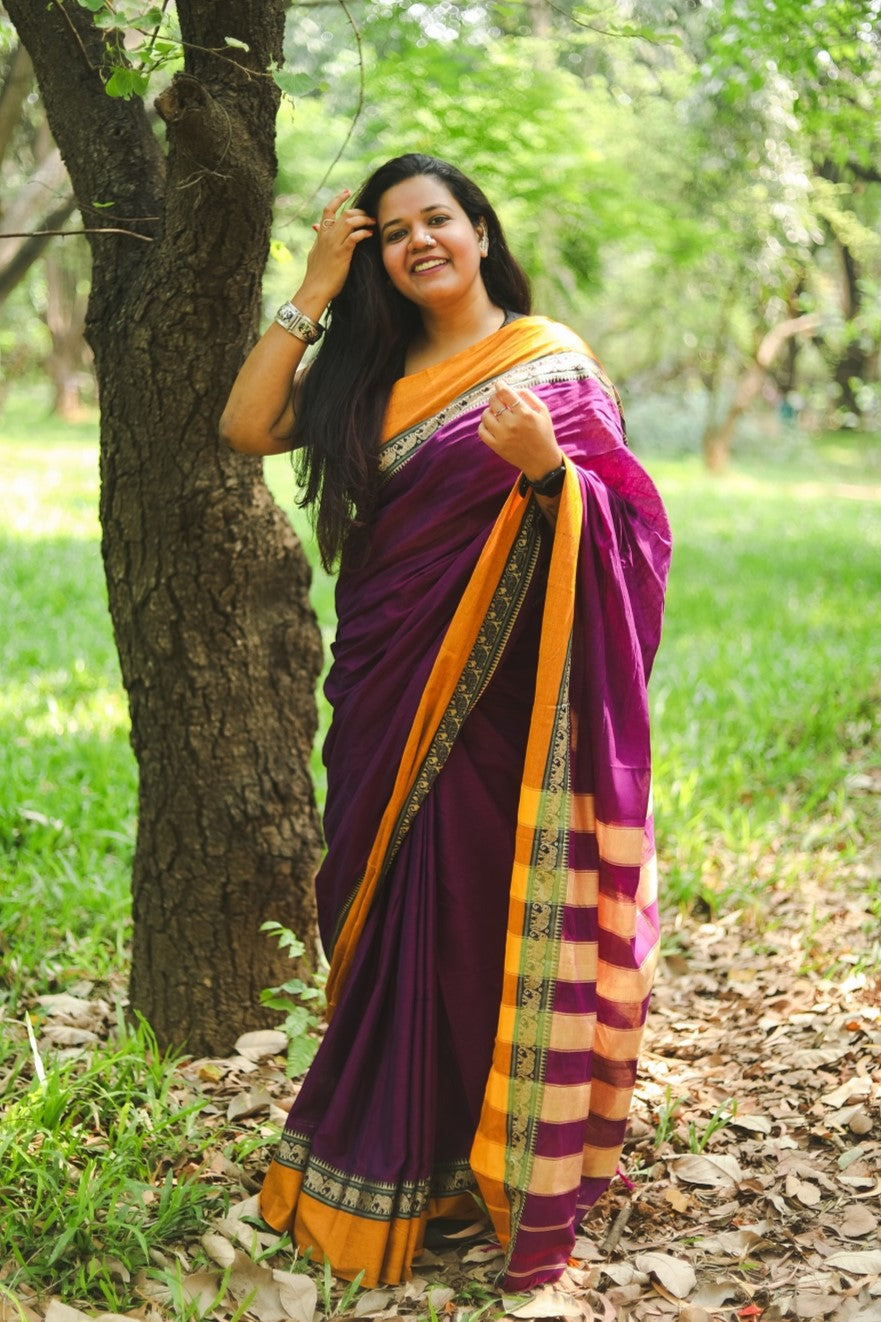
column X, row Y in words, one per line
column 754, row 1152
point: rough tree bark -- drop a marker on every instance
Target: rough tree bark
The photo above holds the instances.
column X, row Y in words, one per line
column 208, row 586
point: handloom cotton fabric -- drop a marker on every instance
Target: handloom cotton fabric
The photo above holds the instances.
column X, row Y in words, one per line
column 488, row 899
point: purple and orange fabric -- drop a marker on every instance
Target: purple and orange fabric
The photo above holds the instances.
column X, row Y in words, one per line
column 489, row 896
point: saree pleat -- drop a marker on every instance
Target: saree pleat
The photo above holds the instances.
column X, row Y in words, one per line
column 489, row 896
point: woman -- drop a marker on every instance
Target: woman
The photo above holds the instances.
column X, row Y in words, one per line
column 487, row 901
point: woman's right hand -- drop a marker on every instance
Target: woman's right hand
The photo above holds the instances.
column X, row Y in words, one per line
column 337, row 237
column 260, row 412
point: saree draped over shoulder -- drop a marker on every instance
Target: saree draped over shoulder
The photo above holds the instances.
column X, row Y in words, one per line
column 488, row 899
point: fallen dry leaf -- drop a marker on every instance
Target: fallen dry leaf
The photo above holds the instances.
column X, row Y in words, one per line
column 857, row 1262
column 15, row 1310
column 439, row 1296
column 201, row 1288
column 807, row 1194
column 675, row 1275
column 219, row 1250
column 857, row 1221
column 814, row 1303
column 701, row 1168
column 753, row 1124
column 248, row 1102
column 850, row 1089
column 59, row 1312
column 65, row 1035
column 297, row 1293
column 261, row 1043
column 715, row 1294
column 677, row 1199
column 371, row 1302
column 482, row 1252
column 547, row 1301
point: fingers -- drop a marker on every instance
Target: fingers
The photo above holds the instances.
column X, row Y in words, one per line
column 505, row 400
column 334, row 205
column 355, row 225
column 352, row 221
column 518, row 427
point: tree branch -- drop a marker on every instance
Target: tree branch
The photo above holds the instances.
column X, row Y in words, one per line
column 107, row 143
column 105, row 229
column 220, row 113
column 22, row 259
column 356, row 32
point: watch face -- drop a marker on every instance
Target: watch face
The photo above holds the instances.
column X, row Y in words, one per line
column 551, row 485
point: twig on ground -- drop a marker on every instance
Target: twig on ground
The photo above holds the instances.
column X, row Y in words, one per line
column 617, row 1229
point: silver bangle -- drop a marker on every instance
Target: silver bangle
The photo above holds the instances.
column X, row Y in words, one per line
column 296, row 323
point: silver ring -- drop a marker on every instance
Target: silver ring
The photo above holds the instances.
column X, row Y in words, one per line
column 325, row 224
column 497, row 413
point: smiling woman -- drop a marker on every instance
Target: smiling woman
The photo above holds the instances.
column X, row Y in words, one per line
column 487, row 901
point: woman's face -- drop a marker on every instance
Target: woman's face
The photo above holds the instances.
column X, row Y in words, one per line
column 430, row 248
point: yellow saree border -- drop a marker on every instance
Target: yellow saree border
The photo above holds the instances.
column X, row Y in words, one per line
column 503, row 1151
column 376, row 1250
column 428, row 392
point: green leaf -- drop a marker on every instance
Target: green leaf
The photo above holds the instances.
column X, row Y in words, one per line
column 94, row 5
column 297, row 1021
column 275, row 1002
column 236, row 44
column 301, row 1054
column 125, row 82
column 293, row 84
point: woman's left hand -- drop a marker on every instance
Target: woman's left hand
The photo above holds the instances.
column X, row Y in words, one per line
column 518, row 427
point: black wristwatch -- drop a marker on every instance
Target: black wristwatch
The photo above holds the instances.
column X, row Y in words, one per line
column 549, row 485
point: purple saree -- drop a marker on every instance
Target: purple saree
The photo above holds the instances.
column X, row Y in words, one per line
column 487, row 899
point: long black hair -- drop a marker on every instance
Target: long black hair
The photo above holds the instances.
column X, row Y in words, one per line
column 343, row 398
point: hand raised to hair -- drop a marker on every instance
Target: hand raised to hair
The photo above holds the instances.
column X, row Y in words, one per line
column 337, row 237
column 519, row 428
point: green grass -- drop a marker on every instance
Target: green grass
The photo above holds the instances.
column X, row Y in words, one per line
column 91, row 1159
column 67, row 775
column 768, row 683
column 766, row 697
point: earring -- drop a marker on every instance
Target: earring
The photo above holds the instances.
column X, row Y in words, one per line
column 484, row 244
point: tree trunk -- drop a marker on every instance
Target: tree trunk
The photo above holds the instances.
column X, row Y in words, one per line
column 27, row 211
column 858, row 361
column 718, row 437
column 16, row 85
column 208, row 586
column 67, row 362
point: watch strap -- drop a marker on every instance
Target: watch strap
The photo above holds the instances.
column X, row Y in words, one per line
column 549, row 485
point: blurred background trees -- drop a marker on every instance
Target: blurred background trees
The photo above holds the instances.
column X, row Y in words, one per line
column 682, row 178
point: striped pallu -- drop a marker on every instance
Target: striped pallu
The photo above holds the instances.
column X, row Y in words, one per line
column 579, row 964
